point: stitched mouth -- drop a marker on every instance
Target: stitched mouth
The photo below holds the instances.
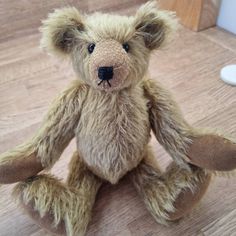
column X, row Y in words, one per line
column 104, row 81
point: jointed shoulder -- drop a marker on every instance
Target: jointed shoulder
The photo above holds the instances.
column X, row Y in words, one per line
column 70, row 99
column 152, row 88
column 76, row 88
column 157, row 95
column 75, row 93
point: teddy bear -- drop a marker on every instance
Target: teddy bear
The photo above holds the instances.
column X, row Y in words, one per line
column 111, row 109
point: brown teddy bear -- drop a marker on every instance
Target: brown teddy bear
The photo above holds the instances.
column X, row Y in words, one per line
column 111, row 110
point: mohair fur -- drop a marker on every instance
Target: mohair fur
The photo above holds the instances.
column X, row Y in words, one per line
column 167, row 122
column 69, row 204
column 166, row 194
column 112, row 126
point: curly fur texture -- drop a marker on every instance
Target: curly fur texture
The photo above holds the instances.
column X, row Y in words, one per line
column 59, row 125
column 69, row 203
column 167, row 122
column 147, row 30
column 112, row 126
column 126, row 131
column 165, row 193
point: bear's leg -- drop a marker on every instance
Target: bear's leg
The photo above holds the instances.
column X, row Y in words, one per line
column 170, row 195
column 61, row 208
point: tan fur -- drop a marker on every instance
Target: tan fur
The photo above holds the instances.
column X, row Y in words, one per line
column 71, row 204
column 167, row 122
column 157, row 28
column 170, row 195
column 111, row 124
column 126, row 131
column 56, row 131
column 60, row 30
column 59, row 125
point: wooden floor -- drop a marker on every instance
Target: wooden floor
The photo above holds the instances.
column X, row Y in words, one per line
column 190, row 67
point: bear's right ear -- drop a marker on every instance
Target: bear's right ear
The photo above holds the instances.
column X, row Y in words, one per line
column 60, row 31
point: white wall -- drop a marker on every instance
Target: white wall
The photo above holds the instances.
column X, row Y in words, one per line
column 227, row 15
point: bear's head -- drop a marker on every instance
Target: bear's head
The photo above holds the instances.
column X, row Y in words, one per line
column 109, row 52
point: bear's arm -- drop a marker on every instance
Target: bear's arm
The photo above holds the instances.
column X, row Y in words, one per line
column 167, row 122
column 58, row 127
column 183, row 142
column 55, row 133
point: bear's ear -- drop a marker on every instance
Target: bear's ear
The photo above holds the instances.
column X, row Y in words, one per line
column 60, row 31
column 155, row 26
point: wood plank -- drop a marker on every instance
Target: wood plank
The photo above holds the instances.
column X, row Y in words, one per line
column 224, row 226
column 194, row 14
column 19, row 18
column 209, row 14
column 224, row 38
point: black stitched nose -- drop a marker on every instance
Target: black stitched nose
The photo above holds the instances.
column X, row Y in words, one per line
column 105, row 72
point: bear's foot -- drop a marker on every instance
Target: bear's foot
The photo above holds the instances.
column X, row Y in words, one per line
column 46, row 221
column 171, row 195
column 58, row 208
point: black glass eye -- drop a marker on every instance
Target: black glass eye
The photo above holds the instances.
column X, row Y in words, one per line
column 126, row 47
column 91, row 47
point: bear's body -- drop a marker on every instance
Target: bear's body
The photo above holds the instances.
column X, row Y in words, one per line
column 111, row 109
column 101, row 134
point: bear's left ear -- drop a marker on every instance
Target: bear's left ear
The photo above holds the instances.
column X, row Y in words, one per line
column 61, row 30
column 155, row 26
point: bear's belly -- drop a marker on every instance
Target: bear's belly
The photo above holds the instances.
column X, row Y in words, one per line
column 112, row 140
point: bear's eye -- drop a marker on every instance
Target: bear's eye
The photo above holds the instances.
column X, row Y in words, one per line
column 91, row 47
column 126, row 47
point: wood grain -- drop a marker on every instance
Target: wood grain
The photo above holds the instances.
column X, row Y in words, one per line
column 218, row 36
column 29, row 79
column 209, row 14
column 20, row 18
column 194, row 14
column 189, row 11
column 224, row 226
